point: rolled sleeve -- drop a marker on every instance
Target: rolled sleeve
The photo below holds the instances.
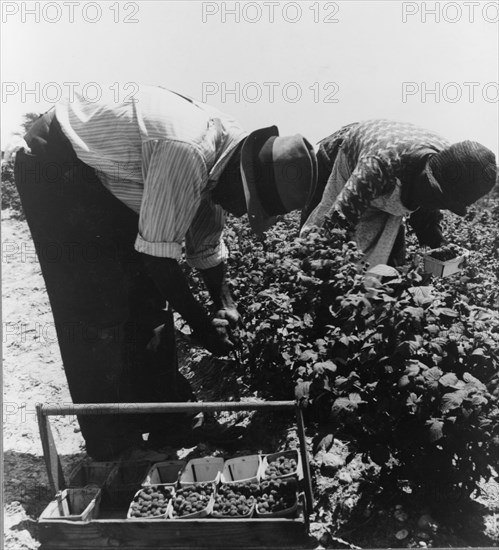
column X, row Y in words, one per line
column 174, row 178
column 162, row 250
column 204, row 244
column 211, row 257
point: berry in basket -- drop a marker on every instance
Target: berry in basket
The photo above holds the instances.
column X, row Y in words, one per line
column 276, row 495
column 446, row 252
column 235, row 499
column 280, row 467
column 150, row 502
column 191, row 499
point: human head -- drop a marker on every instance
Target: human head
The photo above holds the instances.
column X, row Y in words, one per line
column 278, row 174
column 461, row 174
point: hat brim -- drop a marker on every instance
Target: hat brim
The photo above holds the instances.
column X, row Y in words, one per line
column 258, row 218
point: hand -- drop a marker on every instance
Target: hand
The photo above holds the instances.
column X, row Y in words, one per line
column 307, row 229
column 231, row 315
column 215, row 337
column 336, row 220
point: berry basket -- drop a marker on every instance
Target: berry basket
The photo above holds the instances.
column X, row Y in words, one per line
column 164, row 473
column 151, row 502
column 281, row 465
column 202, row 470
column 241, row 468
column 194, row 500
column 445, row 261
column 278, row 498
column 124, row 481
column 90, row 473
column 74, row 504
column 235, row 500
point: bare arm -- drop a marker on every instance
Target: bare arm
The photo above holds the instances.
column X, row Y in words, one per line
column 216, row 283
column 171, row 281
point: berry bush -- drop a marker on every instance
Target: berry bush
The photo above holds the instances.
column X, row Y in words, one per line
column 403, row 366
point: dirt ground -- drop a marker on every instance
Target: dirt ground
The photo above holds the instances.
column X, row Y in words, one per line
column 33, row 374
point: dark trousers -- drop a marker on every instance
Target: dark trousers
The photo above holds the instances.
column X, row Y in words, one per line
column 105, row 304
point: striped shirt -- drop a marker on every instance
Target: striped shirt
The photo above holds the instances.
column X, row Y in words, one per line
column 161, row 154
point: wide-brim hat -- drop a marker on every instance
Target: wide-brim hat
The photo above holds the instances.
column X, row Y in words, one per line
column 461, row 174
column 278, row 174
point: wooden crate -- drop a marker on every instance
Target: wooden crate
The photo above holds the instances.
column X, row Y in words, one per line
column 244, row 534
column 111, row 528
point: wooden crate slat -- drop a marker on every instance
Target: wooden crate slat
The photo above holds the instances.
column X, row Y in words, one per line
column 175, row 534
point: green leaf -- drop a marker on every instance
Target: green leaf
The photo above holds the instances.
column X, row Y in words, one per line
column 355, row 398
column 326, row 443
column 470, row 379
column 307, row 320
column 478, row 399
column 413, row 368
column 422, row 295
column 383, row 270
column 344, row 340
column 342, row 404
column 446, row 312
column 302, row 391
column 413, row 401
column 448, row 380
column 433, row 374
column 404, row 381
column 308, row 355
column 452, row 400
column 415, row 312
column 325, row 365
column 433, row 329
column 407, row 348
column 436, row 430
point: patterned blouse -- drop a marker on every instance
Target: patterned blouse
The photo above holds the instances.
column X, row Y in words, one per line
column 380, row 152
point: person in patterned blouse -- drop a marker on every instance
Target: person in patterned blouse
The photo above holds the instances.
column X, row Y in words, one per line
column 374, row 174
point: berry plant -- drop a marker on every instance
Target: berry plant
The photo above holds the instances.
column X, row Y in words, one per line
column 401, row 365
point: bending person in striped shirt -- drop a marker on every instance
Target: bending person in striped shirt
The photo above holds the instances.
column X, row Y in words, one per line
column 114, row 193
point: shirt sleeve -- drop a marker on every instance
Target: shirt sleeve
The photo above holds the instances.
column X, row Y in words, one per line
column 427, row 226
column 371, row 179
column 174, row 177
column 204, row 244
